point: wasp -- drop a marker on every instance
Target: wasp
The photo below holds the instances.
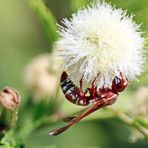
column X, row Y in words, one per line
column 96, row 98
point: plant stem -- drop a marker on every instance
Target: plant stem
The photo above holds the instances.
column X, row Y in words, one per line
column 127, row 120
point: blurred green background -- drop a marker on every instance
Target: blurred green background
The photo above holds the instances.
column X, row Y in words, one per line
column 22, row 37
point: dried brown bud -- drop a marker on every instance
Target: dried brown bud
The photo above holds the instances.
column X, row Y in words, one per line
column 9, row 98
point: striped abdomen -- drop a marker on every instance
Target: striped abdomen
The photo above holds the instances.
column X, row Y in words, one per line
column 72, row 92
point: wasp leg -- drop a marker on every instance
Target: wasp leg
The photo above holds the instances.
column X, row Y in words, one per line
column 81, row 89
column 81, row 85
column 69, row 118
column 93, row 90
column 73, row 116
column 94, row 107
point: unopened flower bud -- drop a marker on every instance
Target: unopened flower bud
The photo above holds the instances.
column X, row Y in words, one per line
column 9, row 98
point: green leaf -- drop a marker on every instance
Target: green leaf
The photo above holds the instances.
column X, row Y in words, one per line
column 142, row 121
column 9, row 141
column 76, row 4
column 47, row 19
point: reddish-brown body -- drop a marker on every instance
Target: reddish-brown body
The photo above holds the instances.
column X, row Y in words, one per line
column 98, row 98
column 78, row 97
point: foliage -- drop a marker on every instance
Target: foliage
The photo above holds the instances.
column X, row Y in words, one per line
column 35, row 119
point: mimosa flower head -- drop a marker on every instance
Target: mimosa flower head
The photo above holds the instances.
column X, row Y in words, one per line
column 141, row 102
column 101, row 42
column 41, row 75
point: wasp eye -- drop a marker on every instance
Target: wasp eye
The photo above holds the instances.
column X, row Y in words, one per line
column 119, row 84
column 117, row 81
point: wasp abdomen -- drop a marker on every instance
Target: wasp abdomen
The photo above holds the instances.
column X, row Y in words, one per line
column 72, row 92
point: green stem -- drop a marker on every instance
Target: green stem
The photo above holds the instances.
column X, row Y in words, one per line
column 127, row 120
column 46, row 17
column 1, row 109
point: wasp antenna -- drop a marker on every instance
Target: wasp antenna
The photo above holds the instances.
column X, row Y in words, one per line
column 94, row 107
column 58, row 131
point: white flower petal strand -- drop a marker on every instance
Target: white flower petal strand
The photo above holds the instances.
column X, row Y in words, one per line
column 100, row 42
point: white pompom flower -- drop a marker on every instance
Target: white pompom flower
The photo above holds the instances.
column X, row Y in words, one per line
column 41, row 76
column 100, row 42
